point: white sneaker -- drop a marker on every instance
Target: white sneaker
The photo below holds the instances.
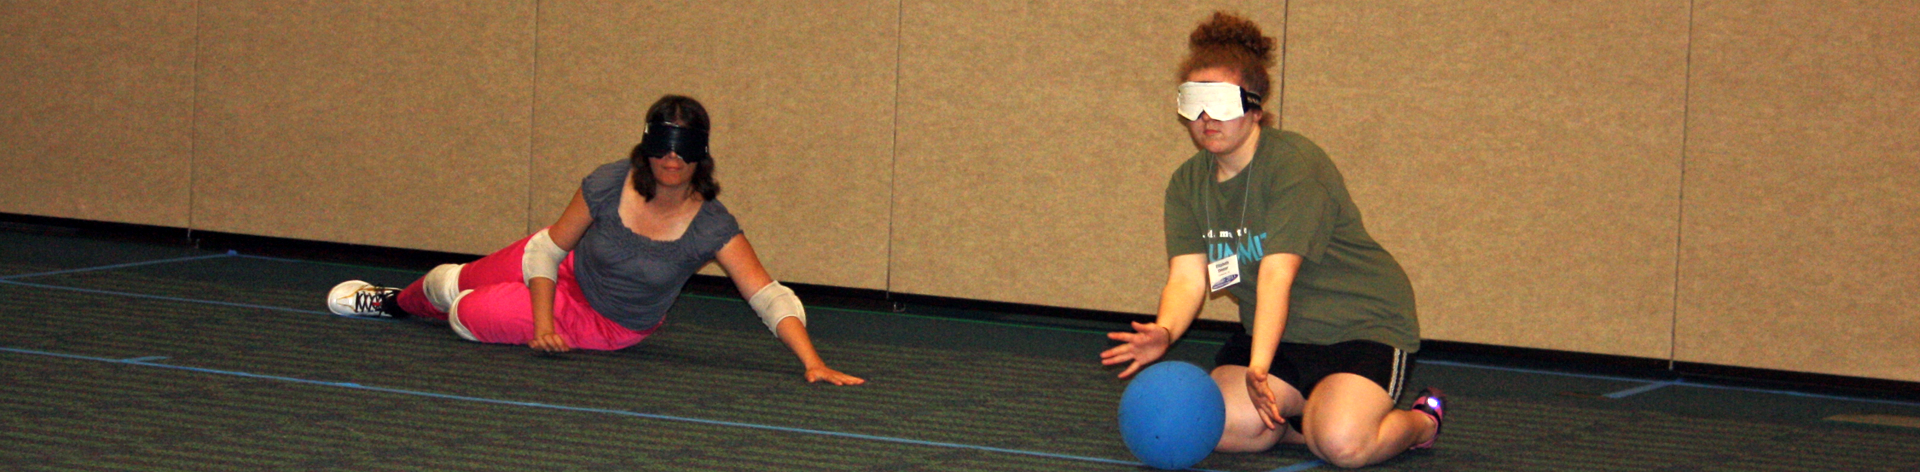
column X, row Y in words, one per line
column 357, row 298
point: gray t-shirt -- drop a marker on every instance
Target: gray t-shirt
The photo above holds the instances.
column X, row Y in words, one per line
column 632, row 279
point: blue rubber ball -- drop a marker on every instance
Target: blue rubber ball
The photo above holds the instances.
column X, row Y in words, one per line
column 1171, row 415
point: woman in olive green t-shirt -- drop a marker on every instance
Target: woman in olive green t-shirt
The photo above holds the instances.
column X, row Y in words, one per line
column 1264, row 215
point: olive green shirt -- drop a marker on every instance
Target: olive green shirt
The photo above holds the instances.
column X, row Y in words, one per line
column 1291, row 200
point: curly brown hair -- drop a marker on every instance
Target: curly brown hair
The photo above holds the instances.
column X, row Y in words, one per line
column 1234, row 42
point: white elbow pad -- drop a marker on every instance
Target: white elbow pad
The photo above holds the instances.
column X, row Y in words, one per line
column 775, row 302
column 542, row 258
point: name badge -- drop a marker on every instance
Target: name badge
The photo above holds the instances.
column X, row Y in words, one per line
column 1224, row 273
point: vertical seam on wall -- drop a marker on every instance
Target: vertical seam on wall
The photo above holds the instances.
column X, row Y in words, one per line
column 533, row 118
column 893, row 161
column 1680, row 197
column 1286, row 42
column 193, row 121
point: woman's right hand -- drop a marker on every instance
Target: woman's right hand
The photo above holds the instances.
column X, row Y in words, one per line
column 546, row 338
column 549, row 341
column 1146, row 344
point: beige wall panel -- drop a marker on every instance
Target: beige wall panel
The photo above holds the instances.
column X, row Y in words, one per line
column 801, row 95
column 392, row 123
column 97, row 100
column 1036, row 141
column 1801, row 205
column 1519, row 158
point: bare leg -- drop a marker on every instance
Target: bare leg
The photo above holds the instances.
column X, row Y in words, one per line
column 1245, row 432
column 1350, row 422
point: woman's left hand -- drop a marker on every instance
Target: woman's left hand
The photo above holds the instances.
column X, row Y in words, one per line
column 1265, row 404
column 824, row 373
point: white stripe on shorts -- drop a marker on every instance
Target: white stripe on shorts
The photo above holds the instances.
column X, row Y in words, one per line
column 1396, row 383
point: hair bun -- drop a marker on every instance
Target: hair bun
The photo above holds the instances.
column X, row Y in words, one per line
column 1231, row 31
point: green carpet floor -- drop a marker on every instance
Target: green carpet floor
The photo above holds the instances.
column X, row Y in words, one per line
column 127, row 356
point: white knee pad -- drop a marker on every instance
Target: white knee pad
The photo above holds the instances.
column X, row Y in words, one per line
column 442, row 285
column 453, row 318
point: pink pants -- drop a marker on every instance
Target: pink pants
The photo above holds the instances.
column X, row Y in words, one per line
column 499, row 309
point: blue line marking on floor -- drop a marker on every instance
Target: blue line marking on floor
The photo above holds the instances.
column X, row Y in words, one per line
column 343, row 264
column 1308, row 465
column 1694, row 385
column 296, row 261
column 1641, row 389
column 1805, row 394
column 160, row 297
column 680, row 419
column 144, row 359
column 118, row 266
column 267, row 258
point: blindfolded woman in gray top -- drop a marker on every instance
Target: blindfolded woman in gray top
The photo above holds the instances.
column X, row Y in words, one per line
column 604, row 275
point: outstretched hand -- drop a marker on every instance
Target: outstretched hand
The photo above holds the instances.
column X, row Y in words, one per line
column 1146, row 344
column 828, row 375
column 1266, row 405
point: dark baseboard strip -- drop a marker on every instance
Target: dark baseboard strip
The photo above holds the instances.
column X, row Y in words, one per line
column 1039, row 315
column 1866, row 387
column 241, row 243
column 52, row 226
column 416, row 259
column 981, row 310
column 1548, row 359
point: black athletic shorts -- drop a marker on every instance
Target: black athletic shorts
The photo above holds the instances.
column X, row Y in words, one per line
column 1304, row 365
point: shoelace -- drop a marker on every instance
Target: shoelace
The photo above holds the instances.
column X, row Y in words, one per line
column 368, row 300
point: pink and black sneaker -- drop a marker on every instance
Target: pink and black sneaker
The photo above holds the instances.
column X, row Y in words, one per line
column 1433, row 402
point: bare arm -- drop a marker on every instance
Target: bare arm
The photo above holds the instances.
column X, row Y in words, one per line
column 572, row 223
column 743, row 266
column 1185, row 293
column 1277, row 272
column 1180, row 302
column 565, row 233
